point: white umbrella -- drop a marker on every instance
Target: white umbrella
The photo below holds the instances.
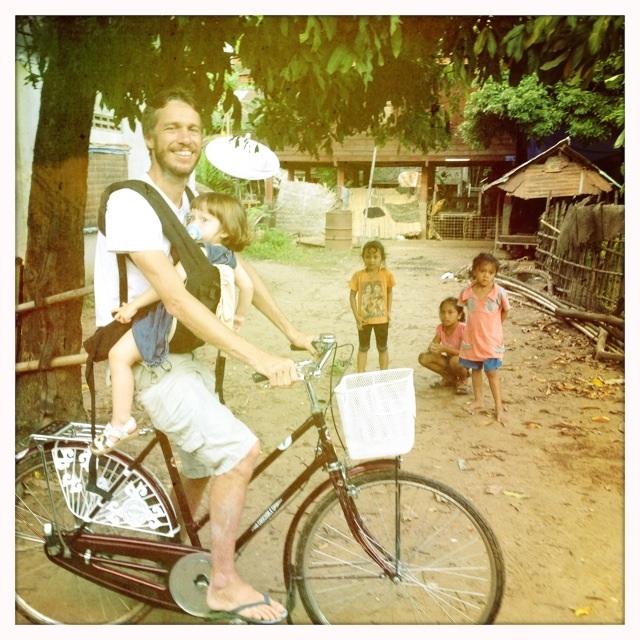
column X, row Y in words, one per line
column 242, row 157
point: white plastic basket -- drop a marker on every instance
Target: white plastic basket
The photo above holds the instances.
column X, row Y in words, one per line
column 378, row 412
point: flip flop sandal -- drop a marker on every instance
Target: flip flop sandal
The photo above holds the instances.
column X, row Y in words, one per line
column 104, row 443
column 235, row 613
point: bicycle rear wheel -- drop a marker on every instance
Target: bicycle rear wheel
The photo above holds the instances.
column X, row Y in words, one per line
column 449, row 568
column 45, row 592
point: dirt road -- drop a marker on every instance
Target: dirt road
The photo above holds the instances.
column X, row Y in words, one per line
column 551, row 481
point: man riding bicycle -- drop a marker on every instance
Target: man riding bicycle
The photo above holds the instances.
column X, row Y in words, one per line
column 180, row 398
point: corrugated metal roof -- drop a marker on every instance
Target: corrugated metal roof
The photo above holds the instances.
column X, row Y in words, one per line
column 557, row 172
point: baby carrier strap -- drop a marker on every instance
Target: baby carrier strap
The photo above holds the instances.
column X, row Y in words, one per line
column 203, row 279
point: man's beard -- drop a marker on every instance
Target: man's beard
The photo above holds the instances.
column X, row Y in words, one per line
column 178, row 170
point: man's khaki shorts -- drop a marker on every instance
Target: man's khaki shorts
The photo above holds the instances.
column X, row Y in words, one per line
column 181, row 401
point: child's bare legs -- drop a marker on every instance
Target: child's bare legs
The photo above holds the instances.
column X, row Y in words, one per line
column 123, row 355
column 494, row 385
column 383, row 359
column 362, row 361
column 437, row 364
column 458, row 372
column 476, row 383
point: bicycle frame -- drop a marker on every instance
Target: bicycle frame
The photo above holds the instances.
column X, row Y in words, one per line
column 140, row 568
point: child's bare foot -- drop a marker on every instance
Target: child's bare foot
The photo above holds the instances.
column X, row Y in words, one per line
column 501, row 417
column 475, row 406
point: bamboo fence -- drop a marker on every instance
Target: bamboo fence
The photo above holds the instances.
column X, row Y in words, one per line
column 590, row 275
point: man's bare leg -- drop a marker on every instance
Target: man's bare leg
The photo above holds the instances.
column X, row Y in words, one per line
column 227, row 590
column 383, row 360
column 194, row 489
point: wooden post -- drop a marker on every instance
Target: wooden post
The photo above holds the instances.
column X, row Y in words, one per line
column 428, row 182
column 601, row 354
column 268, row 191
column 339, row 178
column 507, row 208
column 19, row 294
column 499, row 204
column 423, row 191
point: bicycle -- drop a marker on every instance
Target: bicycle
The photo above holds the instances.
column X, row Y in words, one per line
column 370, row 544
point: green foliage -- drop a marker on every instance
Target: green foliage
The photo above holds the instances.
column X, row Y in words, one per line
column 215, row 179
column 326, row 176
column 535, row 111
column 339, row 367
column 273, row 244
column 556, row 48
column 322, row 78
column 581, row 52
column 128, row 58
column 325, row 78
column 589, row 116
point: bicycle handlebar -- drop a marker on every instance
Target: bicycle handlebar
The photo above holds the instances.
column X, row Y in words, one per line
column 323, row 344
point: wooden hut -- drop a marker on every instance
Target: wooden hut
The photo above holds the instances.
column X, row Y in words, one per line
column 527, row 191
column 402, row 213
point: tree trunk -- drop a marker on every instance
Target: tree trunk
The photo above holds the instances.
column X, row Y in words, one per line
column 54, row 261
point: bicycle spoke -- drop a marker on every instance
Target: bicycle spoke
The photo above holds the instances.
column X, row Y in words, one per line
column 77, row 600
column 448, row 569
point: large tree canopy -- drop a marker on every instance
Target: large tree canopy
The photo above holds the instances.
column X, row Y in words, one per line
column 534, row 111
column 322, row 78
column 319, row 78
column 336, row 78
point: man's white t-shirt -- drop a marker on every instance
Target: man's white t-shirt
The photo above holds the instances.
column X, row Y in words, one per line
column 132, row 225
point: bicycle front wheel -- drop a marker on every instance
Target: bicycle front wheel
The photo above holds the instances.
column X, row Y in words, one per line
column 448, row 565
column 47, row 593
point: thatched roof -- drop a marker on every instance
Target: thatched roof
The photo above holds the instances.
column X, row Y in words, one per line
column 557, row 172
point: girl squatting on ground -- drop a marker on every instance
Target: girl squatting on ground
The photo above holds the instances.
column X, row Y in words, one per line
column 370, row 298
column 444, row 350
column 487, row 306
